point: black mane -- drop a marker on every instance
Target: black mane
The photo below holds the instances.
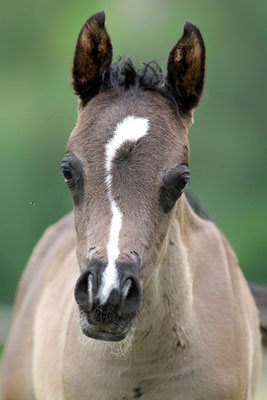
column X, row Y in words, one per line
column 195, row 204
column 123, row 75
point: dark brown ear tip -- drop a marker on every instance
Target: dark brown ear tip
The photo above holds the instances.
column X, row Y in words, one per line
column 99, row 17
column 190, row 28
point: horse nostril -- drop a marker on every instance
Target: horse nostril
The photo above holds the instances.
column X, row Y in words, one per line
column 84, row 290
column 131, row 295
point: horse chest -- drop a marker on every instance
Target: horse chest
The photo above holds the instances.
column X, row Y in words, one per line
column 126, row 380
column 136, row 385
column 128, row 385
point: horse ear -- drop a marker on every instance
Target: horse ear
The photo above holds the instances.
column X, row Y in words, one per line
column 93, row 53
column 186, row 68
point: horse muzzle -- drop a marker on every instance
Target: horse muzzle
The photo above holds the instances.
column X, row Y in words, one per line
column 108, row 302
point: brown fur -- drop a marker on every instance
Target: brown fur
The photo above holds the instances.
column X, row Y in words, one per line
column 186, row 67
column 92, row 54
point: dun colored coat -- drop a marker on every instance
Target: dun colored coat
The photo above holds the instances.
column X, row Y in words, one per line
column 135, row 296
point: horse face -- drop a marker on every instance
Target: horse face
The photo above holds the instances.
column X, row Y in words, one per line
column 126, row 165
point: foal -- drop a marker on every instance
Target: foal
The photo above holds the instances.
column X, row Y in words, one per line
column 157, row 286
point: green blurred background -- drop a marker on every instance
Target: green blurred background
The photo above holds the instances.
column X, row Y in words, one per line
column 38, row 112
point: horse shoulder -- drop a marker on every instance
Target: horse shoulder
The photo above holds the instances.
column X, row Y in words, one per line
column 249, row 334
column 226, row 309
column 17, row 360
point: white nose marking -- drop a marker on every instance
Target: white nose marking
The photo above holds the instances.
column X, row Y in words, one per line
column 130, row 129
column 90, row 288
column 126, row 288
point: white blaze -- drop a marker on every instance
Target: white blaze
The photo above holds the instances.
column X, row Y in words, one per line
column 130, row 129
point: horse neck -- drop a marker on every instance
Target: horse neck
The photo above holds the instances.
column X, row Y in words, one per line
column 166, row 314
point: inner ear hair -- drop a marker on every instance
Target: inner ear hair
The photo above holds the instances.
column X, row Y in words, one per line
column 186, row 68
column 93, row 53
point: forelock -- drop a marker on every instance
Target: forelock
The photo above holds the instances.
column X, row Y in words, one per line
column 123, row 76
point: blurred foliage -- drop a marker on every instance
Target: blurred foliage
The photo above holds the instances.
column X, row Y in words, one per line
column 38, row 112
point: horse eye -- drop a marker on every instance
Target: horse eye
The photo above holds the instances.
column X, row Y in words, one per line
column 67, row 175
column 173, row 184
column 182, row 183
